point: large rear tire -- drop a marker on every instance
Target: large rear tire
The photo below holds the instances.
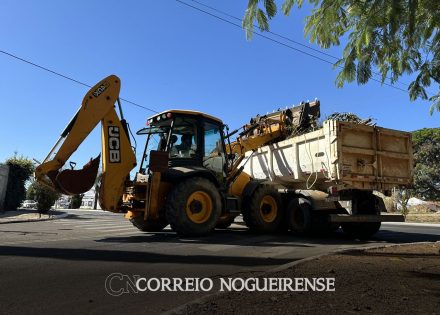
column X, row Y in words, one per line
column 366, row 203
column 299, row 216
column 361, row 230
column 193, row 207
column 149, row 225
column 263, row 211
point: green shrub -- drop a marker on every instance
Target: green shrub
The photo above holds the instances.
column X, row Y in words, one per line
column 43, row 195
column 20, row 170
column 75, row 201
column 427, row 163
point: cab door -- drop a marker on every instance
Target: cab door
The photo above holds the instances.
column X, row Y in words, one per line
column 214, row 154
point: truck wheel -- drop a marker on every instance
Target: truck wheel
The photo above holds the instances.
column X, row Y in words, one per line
column 193, row 207
column 263, row 212
column 299, row 214
column 149, row 225
column 321, row 225
column 225, row 221
column 367, row 203
column 361, row 230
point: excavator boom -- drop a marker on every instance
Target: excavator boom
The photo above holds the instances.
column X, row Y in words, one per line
column 118, row 157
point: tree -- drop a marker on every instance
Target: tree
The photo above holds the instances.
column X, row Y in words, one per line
column 75, row 201
column 396, row 37
column 427, row 163
column 43, row 195
column 20, row 170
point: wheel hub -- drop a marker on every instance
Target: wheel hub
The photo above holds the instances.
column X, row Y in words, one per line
column 268, row 208
column 199, row 207
column 195, row 206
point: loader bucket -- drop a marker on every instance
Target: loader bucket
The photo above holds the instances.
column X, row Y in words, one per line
column 75, row 182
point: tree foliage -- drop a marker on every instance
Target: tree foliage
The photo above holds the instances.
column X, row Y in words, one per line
column 395, row 37
column 20, row 170
column 43, row 195
column 427, row 163
column 75, row 201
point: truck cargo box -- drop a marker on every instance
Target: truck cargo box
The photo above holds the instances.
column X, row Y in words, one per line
column 344, row 154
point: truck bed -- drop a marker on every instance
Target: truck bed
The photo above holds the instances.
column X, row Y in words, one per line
column 340, row 153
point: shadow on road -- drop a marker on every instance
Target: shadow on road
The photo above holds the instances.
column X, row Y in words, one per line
column 245, row 238
column 393, row 236
column 136, row 257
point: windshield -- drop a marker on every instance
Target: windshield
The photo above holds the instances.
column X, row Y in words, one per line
column 157, row 136
column 184, row 140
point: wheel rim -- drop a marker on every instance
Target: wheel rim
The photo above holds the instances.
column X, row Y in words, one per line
column 268, row 208
column 199, row 207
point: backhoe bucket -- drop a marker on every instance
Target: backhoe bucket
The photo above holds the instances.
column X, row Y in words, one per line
column 75, row 182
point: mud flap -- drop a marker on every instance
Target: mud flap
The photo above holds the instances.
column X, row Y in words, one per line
column 75, row 182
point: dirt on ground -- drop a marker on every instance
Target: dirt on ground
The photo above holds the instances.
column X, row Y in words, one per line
column 402, row 279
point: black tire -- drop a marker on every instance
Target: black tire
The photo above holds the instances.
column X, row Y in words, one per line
column 149, row 225
column 193, row 217
column 361, row 230
column 321, row 224
column 263, row 211
column 225, row 221
column 299, row 216
column 367, row 203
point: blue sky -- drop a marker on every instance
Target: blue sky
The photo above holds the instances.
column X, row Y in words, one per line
column 167, row 56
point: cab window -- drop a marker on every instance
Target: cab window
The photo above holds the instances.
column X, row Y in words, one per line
column 183, row 140
column 214, row 157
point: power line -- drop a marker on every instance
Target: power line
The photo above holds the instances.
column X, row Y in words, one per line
column 68, row 78
column 270, row 32
column 277, row 41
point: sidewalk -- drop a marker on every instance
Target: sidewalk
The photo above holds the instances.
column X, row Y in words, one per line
column 401, row 279
column 29, row 216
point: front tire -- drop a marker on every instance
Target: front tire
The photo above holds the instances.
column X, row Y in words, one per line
column 193, row 207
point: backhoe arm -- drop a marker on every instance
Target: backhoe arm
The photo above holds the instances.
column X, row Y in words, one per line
column 118, row 157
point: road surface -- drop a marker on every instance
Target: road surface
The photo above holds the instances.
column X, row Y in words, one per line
column 61, row 266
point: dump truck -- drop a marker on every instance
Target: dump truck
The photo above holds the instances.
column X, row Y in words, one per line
column 281, row 171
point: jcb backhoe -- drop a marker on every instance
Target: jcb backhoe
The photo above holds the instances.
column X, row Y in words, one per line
column 186, row 185
column 191, row 174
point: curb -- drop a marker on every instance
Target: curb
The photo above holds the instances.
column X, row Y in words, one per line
column 50, row 217
column 412, row 224
column 201, row 300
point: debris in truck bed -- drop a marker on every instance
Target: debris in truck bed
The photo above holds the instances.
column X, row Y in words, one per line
column 350, row 117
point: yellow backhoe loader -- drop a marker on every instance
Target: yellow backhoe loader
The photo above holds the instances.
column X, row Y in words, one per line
column 191, row 175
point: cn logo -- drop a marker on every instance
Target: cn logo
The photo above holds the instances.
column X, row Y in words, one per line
column 114, row 145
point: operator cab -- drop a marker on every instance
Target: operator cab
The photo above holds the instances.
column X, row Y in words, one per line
column 191, row 139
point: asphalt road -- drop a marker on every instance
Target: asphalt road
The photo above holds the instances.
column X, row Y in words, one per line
column 61, row 266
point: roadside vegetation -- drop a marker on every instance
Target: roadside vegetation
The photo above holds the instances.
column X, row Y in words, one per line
column 75, row 201
column 20, row 171
column 383, row 39
column 44, row 196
